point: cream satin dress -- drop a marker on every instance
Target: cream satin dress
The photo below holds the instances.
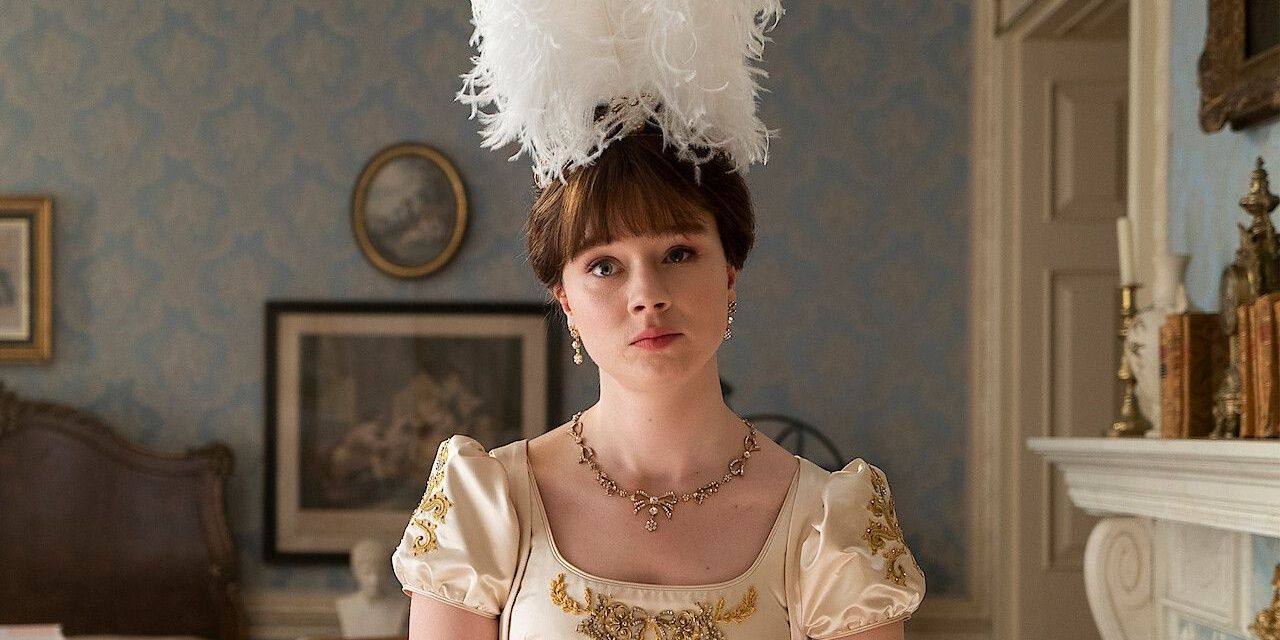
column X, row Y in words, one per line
column 834, row 564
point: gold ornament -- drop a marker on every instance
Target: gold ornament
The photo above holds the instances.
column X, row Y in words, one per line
column 577, row 344
column 666, row 502
column 1267, row 625
column 883, row 531
column 434, row 506
column 613, row 620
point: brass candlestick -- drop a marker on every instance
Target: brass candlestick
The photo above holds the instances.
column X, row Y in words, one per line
column 1132, row 424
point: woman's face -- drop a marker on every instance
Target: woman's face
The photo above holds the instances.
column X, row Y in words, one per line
column 651, row 309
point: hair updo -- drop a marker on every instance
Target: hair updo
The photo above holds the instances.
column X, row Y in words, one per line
column 637, row 187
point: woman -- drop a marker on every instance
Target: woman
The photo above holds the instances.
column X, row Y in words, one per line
column 656, row 512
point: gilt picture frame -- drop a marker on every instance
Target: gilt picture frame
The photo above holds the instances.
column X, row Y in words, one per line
column 409, row 210
column 26, row 279
column 359, row 396
column 1239, row 68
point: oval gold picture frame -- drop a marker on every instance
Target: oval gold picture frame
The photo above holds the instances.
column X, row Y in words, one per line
column 403, row 209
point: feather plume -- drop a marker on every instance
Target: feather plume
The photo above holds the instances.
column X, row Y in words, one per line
column 544, row 66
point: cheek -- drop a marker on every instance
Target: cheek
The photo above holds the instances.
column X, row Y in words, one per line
column 596, row 308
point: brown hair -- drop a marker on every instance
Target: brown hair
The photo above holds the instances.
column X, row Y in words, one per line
column 637, row 187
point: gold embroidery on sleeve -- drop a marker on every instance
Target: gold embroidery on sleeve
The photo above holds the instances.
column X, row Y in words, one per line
column 431, row 511
column 612, row 620
column 883, row 533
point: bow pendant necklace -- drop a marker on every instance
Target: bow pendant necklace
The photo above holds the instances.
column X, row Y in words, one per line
column 665, row 504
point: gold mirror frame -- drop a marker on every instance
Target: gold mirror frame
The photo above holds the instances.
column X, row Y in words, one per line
column 1235, row 89
column 358, row 221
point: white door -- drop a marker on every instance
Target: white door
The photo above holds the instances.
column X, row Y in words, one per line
column 1069, row 185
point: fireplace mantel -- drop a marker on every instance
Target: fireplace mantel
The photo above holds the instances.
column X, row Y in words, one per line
column 1171, row 555
column 1224, row 484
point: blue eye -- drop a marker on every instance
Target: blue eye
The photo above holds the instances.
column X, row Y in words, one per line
column 601, row 268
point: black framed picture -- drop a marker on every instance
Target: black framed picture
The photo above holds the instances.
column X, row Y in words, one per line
column 360, row 395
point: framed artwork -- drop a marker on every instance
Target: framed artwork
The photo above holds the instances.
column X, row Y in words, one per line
column 26, row 278
column 409, row 210
column 1240, row 66
column 360, row 395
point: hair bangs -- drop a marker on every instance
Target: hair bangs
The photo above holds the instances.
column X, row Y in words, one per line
column 628, row 197
column 637, row 187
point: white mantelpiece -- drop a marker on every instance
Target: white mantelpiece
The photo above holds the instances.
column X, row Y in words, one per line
column 1172, row 547
column 1224, row 484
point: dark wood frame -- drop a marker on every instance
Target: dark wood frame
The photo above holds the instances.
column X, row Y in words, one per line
column 273, row 311
column 1234, row 89
column 183, row 587
column 38, row 212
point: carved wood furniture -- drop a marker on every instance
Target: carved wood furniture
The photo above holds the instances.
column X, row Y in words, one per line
column 106, row 537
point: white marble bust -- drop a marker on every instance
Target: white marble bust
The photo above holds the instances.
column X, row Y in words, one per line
column 372, row 611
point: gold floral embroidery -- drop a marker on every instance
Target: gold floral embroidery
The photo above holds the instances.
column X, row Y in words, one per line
column 612, row 620
column 883, row 533
column 431, row 511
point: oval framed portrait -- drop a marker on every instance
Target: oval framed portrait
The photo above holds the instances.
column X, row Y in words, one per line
column 409, row 210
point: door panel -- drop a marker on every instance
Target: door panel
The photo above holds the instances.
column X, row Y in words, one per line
column 1071, row 184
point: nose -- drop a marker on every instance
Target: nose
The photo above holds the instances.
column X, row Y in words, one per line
column 649, row 291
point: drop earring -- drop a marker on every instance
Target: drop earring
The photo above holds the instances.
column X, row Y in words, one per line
column 577, row 344
column 728, row 332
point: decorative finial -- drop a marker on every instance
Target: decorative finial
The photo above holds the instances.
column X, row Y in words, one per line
column 1260, row 200
column 1262, row 256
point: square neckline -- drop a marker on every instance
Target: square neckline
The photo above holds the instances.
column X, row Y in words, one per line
column 784, row 510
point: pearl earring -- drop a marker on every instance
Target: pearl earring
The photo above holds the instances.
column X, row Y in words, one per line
column 577, row 344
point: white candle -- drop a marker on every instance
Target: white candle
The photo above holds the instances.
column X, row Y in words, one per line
column 1126, row 250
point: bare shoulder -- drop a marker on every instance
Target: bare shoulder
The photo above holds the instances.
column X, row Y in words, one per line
column 776, row 460
column 551, row 445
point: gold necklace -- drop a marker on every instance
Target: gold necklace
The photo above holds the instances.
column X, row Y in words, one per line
column 665, row 503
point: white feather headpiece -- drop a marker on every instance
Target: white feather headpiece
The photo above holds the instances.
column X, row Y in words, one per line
column 546, row 66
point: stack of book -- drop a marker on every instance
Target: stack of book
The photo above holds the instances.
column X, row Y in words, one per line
column 1194, row 357
column 1259, row 367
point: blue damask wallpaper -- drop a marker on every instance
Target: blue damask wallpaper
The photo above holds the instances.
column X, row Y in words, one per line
column 202, row 155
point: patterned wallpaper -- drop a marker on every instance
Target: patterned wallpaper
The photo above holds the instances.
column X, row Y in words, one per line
column 202, row 154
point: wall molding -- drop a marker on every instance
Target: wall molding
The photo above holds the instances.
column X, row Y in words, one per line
column 1148, row 189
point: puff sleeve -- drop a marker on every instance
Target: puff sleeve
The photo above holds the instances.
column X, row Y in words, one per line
column 462, row 542
column 854, row 569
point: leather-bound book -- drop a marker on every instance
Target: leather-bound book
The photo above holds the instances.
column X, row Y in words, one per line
column 1267, row 377
column 1244, row 336
column 1172, row 377
column 1271, row 429
column 1200, row 334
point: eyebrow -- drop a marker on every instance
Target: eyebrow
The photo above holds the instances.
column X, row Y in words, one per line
column 585, row 250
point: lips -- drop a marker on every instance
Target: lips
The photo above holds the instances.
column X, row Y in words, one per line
column 652, row 333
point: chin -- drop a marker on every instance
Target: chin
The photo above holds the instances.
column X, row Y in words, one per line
column 661, row 369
